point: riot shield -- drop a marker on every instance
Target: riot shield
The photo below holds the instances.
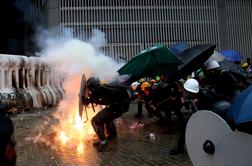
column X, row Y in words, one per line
column 82, row 95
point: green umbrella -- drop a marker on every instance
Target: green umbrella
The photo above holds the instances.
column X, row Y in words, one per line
column 151, row 61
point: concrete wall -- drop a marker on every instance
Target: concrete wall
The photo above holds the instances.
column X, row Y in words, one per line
column 131, row 25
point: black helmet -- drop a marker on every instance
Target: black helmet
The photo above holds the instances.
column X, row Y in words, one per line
column 93, row 82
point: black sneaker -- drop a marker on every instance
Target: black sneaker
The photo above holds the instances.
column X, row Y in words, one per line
column 176, row 151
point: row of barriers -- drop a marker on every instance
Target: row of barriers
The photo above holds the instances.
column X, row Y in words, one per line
column 28, row 82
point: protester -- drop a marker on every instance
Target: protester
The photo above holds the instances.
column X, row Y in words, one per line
column 116, row 99
column 7, row 143
column 222, row 85
column 153, row 84
column 191, row 87
column 143, row 99
column 168, row 99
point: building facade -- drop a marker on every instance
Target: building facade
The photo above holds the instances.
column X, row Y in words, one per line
column 131, row 25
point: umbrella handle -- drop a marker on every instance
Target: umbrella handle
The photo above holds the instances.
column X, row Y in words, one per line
column 86, row 115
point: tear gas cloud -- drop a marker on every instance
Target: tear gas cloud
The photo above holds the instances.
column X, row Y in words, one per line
column 73, row 57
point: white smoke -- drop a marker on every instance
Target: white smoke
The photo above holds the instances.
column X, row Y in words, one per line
column 97, row 39
column 73, row 56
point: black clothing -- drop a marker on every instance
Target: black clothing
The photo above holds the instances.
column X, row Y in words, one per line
column 143, row 99
column 7, row 149
column 223, row 85
column 245, row 127
column 167, row 99
column 175, row 104
column 105, row 117
column 117, row 99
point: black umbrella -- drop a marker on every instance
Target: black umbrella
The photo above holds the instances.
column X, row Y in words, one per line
column 229, row 65
column 193, row 59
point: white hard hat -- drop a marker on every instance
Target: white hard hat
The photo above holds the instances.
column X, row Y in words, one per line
column 191, row 85
column 212, row 64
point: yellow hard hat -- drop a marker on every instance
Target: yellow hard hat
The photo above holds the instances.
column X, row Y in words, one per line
column 104, row 81
column 141, row 80
column 245, row 64
column 144, row 85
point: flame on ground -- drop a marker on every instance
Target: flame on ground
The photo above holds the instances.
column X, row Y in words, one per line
column 72, row 131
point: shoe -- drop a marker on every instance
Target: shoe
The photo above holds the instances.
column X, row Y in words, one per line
column 176, row 151
column 102, row 147
column 111, row 137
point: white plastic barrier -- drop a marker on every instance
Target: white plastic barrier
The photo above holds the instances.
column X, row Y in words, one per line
column 7, row 92
column 28, row 82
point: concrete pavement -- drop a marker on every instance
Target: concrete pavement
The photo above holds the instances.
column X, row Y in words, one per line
column 133, row 146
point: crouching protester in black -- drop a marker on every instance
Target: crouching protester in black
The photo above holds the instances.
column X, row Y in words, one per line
column 116, row 99
column 7, row 144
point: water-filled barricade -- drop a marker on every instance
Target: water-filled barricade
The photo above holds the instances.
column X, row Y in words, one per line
column 28, row 82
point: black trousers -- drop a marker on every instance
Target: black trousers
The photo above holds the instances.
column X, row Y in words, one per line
column 147, row 106
column 105, row 119
column 182, row 128
column 176, row 107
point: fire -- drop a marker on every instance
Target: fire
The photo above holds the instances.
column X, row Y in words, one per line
column 78, row 123
column 75, row 128
column 80, row 148
column 64, row 139
column 72, row 131
column 73, row 58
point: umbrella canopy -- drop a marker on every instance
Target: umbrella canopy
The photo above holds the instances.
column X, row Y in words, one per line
column 240, row 109
column 194, row 58
column 225, row 64
column 232, row 55
column 151, row 61
column 229, row 65
column 179, row 47
column 216, row 56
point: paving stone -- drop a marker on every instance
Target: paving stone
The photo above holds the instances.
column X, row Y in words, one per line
column 132, row 147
